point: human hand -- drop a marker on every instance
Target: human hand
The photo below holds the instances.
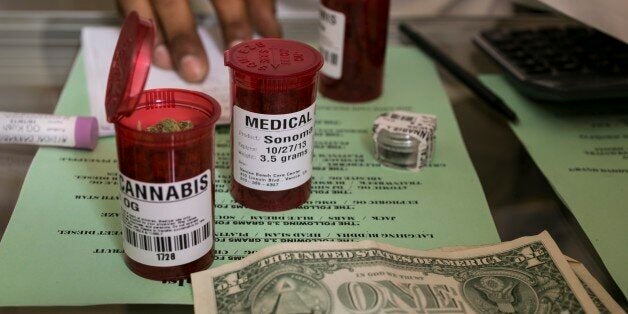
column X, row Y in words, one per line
column 177, row 45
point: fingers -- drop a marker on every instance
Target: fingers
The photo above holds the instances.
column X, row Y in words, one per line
column 233, row 18
column 161, row 56
column 177, row 44
column 179, row 31
column 262, row 14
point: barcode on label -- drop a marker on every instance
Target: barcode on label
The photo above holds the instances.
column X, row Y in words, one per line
column 167, row 244
column 330, row 57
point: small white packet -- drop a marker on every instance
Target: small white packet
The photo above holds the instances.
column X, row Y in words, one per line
column 404, row 139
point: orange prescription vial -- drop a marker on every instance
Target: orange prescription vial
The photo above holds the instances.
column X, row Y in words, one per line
column 273, row 89
column 166, row 179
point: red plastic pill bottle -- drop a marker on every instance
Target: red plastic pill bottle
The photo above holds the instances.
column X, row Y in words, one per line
column 353, row 43
column 166, row 180
column 273, row 91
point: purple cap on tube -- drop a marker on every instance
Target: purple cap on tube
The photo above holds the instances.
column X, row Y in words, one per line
column 86, row 133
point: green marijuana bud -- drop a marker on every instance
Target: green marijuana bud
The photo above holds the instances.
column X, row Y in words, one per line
column 169, row 125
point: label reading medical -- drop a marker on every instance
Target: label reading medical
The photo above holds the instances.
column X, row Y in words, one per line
column 332, row 36
column 167, row 224
column 272, row 152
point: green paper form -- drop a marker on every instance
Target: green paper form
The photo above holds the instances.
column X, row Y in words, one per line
column 63, row 244
column 583, row 152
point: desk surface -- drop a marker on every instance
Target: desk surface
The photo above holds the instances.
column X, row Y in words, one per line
column 37, row 52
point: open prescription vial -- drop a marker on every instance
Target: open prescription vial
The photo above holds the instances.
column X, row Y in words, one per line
column 166, row 179
column 404, row 139
column 273, row 89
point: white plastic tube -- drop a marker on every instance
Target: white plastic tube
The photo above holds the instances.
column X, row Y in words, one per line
column 48, row 130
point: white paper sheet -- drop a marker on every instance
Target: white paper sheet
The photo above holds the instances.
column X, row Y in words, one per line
column 609, row 16
column 98, row 46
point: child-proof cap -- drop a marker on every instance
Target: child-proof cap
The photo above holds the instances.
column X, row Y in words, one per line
column 129, row 66
column 273, row 64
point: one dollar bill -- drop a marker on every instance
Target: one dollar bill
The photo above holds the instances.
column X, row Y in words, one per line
column 602, row 300
column 600, row 297
column 527, row 275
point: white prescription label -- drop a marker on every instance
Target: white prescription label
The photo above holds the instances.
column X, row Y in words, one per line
column 272, row 152
column 39, row 129
column 332, row 38
column 167, row 224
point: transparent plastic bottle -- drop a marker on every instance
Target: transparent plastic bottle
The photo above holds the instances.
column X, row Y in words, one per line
column 166, row 179
column 273, row 86
column 171, row 175
column 353, row 43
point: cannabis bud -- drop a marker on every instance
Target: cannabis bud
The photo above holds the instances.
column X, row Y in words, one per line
column 170, row 125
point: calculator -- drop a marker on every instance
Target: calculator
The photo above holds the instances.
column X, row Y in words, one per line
column 561, row 64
